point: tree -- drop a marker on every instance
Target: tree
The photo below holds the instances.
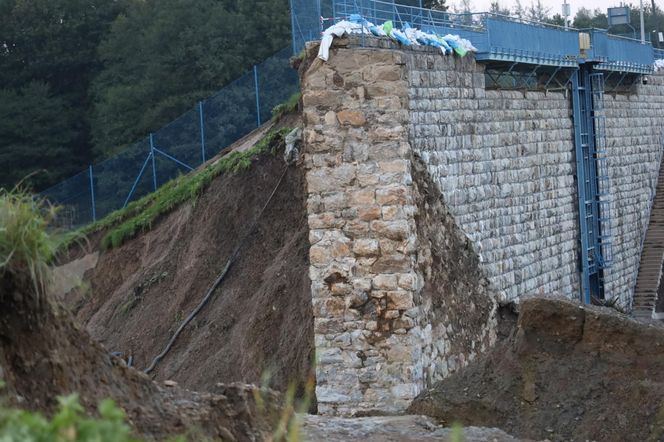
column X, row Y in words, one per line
column 537, row 11
column 497, row 9
column 36, row 133
column 583, row 18
column 557, row 20
column 164, row 55
column 438, row 5
column 519, row 11
column 50, row 58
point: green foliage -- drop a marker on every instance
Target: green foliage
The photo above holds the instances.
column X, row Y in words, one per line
column 36, row 134
column 25, row 246
column 585, row 18
column 139, row 216
column 47, row 61
column 435, row 4
column 287, row 107
column 164, row 55
column 457, row 433
column 80, row 79
column 288, row 427
column 69, row 424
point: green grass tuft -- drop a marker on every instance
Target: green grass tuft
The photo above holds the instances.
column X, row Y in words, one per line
column 139, row 216
column 26, row 248
column 287, row 107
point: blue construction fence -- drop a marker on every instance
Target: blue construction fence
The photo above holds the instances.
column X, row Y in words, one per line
column 496, row 37
column 310, row 17
column 179, row 147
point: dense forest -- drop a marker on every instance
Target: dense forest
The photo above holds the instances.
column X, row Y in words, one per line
column 81, row 79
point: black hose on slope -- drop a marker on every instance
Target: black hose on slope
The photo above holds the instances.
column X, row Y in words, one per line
column 217, row 281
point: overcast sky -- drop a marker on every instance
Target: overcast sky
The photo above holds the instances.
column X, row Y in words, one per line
column 555, row 5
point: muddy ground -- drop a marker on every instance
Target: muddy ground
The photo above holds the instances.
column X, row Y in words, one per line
column 566, row 372
column 44, row 354
column 258, row 326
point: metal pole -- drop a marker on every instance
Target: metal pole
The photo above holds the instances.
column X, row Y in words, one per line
column 653, row 39
column 292, row 13
column 92, row 194
column 154, row 167
column 643, row 30
column 258, row 100
column 200, row 114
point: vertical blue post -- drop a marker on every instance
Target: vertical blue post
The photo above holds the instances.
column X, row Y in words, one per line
column 154, row 167
column 200, row 114
column 258, row 100
column 293, row 18
column 320, row 15
column 92, row 194
column 578, row 116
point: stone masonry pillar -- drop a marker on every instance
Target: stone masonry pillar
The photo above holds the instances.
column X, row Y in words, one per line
column 363, row 263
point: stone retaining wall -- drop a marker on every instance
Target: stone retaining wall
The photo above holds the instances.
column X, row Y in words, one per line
column 431, row 198
column 504, row 161
column 634, row 130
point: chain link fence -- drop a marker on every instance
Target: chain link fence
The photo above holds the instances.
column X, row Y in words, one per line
column 177, row 148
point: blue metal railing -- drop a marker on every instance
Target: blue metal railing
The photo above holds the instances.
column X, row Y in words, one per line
column 620, row 53
column 529, row 42
column 496, row 37
column 179, row 147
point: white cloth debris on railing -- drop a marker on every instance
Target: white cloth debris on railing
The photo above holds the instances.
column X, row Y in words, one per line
column 408, row 36
column 659, row 64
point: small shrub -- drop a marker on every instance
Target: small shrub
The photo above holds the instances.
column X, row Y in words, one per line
column 26, row 248
column 613, row 303
column 287, row 107
column 69, row 424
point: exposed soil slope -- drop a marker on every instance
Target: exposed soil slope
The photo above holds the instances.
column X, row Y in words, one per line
column 43, row 354
column 566, row 373
column 259, row 320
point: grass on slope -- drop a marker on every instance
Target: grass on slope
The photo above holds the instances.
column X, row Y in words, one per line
column 26, row 248
column 139, row 216
column 287, row 107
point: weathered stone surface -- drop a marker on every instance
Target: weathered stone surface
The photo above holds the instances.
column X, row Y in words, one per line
column 502, row 165
column 352, row 117
column 351, row 174
column 392, row 429
column 366, row 247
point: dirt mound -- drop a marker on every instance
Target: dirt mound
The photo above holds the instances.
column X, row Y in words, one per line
column 259, row 320
column 567, row 372
column 43, row 355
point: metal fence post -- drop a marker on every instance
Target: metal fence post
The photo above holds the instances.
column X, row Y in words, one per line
column 293, row 18
column 154, row 167
column 258, row 100
column 92, row 194
column 200, row 114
